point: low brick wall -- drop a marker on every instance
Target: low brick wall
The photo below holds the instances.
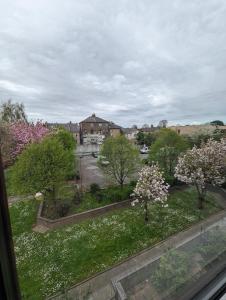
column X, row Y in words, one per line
column 77, row 218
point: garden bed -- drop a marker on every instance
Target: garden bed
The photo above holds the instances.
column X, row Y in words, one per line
column 79, row 217
column 70, row 201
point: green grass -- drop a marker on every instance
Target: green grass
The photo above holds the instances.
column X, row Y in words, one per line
column 47, row 263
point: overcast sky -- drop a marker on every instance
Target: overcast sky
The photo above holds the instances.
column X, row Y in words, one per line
column 129, row 61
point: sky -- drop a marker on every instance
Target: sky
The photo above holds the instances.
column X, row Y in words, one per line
column 128, row 61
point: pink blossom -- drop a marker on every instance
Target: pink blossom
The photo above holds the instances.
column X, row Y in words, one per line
column 24, row 133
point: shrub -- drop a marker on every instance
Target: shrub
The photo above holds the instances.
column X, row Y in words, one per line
column 94, row 188
column 77, row 176
column 171, row 180
column 78, row 197
column 99, row 196
column 145, row 161
column 223, row 185
column 132, row 183
column 116, row 193
column 63, row 209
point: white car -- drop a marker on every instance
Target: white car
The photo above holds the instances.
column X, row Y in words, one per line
column 144, row 150
column 102, row 160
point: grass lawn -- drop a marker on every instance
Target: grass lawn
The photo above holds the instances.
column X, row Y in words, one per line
column 47, row 263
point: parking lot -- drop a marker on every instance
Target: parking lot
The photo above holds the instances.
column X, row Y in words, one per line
column 91, row 173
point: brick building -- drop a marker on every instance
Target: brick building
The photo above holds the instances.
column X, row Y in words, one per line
column 197, row 129
column 94, row 130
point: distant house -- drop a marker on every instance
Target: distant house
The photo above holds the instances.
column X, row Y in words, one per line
column 114, row 129
column 71, row 127
column 131, row 133
column 149, row 129
column 197, row 129
column 94, row 130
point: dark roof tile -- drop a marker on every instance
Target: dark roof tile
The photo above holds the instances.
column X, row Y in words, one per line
column 94, row 119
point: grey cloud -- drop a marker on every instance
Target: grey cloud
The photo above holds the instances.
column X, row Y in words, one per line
column 129, row 61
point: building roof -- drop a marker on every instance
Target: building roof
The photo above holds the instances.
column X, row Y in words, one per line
column 129, row 130
column 148, row 129
column 114, row 126
column 72, row 127
column 94, row 119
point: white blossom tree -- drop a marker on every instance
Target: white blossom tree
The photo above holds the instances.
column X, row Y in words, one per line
column 150, row 188
column 202, row 166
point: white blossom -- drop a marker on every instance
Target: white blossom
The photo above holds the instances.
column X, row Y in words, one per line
column 39, row 196
column 202, row 166
column 150, row 187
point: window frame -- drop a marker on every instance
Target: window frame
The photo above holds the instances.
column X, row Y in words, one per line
column 9, row 285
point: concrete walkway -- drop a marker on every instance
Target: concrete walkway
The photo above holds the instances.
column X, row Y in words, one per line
column 14, row 199
column 100, row 287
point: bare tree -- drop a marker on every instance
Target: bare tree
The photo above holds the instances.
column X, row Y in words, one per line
column 163, row 123
column 12, row 112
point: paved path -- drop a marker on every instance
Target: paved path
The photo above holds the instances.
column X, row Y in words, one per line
column 14, row 199
column 91, row 173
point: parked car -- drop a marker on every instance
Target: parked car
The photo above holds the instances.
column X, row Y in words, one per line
column 94, row 154
column 102, row 159
column 144, row 150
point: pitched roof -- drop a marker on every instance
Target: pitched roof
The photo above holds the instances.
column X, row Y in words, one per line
column 72, row 127
column 148, row 129
column 129, row 130
column 94, row 119
column 114, row 126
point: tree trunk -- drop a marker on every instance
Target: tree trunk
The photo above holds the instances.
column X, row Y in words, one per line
column 201, row 196
column 121, row 188
column 200, row 201
column 51, row 197
column 146, row 211
column 54, row 197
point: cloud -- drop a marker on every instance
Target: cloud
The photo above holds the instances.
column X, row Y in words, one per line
column 129, row 61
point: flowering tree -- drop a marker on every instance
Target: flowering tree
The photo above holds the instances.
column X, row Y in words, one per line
column 150, row 187
column 202, row 166
column 24, row 133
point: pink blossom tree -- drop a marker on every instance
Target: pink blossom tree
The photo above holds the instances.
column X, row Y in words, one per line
column 202, row 166
column 24, row 133
column 150, row 188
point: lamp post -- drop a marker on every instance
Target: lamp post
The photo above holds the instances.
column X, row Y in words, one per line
column 80, row 170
